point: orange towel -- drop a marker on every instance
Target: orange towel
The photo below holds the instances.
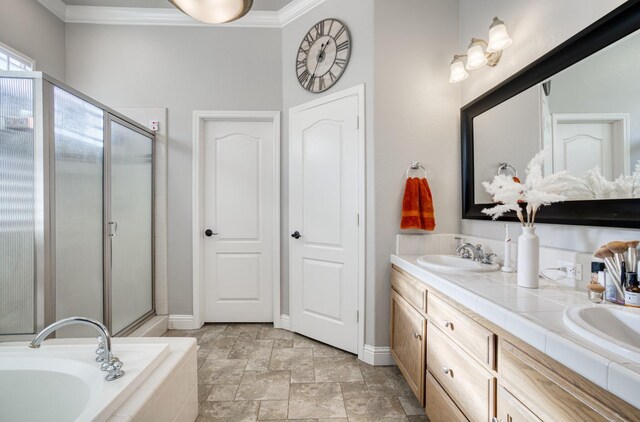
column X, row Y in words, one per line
column 417, row 206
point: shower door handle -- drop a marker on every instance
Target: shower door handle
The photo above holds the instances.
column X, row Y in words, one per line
column 113, row 228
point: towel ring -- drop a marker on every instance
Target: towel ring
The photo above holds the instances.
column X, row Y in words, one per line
column 415, row 165
column 504, row 167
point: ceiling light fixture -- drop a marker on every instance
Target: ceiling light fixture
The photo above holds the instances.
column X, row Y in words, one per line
column 480, row 53
column 214, row 11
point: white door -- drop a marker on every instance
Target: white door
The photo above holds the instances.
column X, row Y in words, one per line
column 238, row 215
column 583, row 142
column 323, row 212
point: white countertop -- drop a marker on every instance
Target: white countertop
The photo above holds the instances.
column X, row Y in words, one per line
column 535, row 317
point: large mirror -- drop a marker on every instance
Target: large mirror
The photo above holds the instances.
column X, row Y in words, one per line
column 581, row 104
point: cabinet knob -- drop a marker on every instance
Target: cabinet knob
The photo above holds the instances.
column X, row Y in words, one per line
column 447, row 324
column 418, row 336
column 446, row 370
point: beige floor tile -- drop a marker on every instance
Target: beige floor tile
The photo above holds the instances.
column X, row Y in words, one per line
column 288, row 359
column 337, row 369
column 363, row 409
column 203, row 392
column 282, row 343
column 299, row 376
column 223, row 392
column 354, row 389
column 264, row 385
column 229, row 411
column 305, row 342
column 411, row 406
column 246, row 348
column 218, row 343
column 273, row 410
column 258, row 365
column 222, row 371
column 270, row 333
column 317, row 400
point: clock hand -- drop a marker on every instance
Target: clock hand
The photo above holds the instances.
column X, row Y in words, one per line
column 322, row 48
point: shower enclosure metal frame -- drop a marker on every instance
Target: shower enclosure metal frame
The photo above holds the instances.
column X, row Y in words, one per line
column 44, row 205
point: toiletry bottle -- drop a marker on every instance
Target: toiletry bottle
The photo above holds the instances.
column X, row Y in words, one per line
column 632, row 291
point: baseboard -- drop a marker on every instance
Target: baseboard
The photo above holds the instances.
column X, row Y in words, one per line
column 284, row 322
column 182, row 322
column 378, row 356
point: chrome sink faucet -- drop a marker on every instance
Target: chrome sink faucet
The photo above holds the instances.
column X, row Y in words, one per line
column 470, row 251
column 110, row 364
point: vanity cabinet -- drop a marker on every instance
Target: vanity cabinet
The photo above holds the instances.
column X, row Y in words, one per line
column 408, row 343
column 461, row 367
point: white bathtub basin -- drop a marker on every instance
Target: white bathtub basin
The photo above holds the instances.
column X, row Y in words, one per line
column 455, row 264
column 613, row 327
column 64, row 383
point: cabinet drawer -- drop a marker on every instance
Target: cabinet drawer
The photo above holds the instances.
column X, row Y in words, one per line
column 411, row 289
column 440, row 408
column 544, row 391
column 473, row 337
column 510, row 409
column 468, row 383
column 408, row 343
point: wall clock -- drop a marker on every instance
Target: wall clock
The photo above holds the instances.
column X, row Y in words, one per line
column 323, row 55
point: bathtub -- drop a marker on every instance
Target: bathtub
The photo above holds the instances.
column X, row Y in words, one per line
column 62, row 382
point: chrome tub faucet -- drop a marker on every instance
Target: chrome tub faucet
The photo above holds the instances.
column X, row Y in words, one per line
column 110, row 364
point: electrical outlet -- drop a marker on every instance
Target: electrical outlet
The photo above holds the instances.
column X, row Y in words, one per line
column 573, row 270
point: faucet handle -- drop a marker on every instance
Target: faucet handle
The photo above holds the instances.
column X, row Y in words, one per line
column 488, row 258
column 113, row 368
column 100, row 351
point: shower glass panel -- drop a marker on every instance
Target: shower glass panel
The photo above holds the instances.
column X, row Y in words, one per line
column 131, row 225
column 17, row 210
column 78, row 215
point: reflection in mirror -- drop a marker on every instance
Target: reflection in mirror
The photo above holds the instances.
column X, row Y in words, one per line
column 587, row 116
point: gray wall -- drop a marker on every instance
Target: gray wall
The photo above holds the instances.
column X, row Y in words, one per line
column 183, row 69
column 415, row 119
column 26, row 26
column 535, row 27
column 358, row 17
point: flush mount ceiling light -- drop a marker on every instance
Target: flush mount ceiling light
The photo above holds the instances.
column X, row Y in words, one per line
column 480, row 53
column 214, row 11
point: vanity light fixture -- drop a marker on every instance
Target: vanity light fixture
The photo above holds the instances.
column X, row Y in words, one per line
column 214, row 11
column 480, row 53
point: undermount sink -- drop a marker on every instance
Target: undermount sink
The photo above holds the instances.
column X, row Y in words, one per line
column 455, row 264
column 613, row 327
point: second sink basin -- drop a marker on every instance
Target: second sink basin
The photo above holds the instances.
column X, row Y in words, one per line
column 613, row 327
column 455, row 264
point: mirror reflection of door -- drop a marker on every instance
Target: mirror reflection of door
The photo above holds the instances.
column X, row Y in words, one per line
column 582, row 142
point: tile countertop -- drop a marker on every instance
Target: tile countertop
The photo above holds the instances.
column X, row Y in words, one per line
column 535, row 317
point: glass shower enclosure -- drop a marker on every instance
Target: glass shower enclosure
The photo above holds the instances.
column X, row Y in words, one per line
column 76, row 210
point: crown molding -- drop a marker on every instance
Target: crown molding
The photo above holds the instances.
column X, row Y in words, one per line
column 57, row 7
column 172, row 17
column 295, row 9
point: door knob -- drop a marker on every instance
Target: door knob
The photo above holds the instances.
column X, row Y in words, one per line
column 210, row 233
column 296, row 235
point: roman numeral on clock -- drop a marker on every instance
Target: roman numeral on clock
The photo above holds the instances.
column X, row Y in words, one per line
column 343, row 45
column 303, row 76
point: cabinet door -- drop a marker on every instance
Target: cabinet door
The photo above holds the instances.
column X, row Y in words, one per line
column 439, row 406
column 408, row 343
column 511, row 410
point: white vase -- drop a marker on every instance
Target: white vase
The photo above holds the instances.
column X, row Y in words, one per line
column 528, row 258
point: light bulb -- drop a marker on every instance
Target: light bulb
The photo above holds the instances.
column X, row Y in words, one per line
column 458, row 72
column 475, row 54
column 499, row 38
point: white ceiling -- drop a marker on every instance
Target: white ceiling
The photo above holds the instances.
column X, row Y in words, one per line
column 268, row 5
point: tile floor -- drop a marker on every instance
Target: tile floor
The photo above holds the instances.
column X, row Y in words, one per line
column 254, row 372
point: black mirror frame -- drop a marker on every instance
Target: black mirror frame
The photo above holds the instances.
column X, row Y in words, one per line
column 616, row 25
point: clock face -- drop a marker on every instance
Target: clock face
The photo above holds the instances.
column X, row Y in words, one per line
column 323, row 55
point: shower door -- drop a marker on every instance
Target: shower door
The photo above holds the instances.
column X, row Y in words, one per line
column 129, row 225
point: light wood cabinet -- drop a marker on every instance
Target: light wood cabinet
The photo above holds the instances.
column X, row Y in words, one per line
column 469, row 384
column 408, row 343
column 438, row 405
column 412, row 290
column 510, row 409
column 467, row 333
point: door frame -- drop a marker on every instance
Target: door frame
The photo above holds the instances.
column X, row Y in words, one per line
column 621, row 129
column 359, row 92
column 199, row 118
